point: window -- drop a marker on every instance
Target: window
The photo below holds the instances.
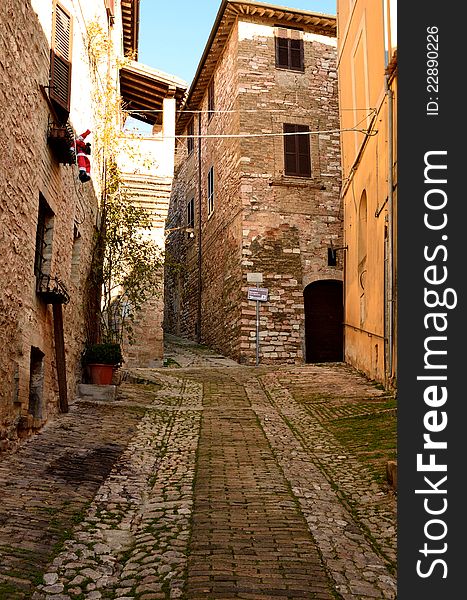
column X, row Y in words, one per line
column 76, row 255
column 190, row 142
column 210, row 191
column 211, row 105
column 289, row 49
column 44, row 231
column 190, row 213
column 60, row 61
column 36, row 382
column 362, row 254
column 297, row 159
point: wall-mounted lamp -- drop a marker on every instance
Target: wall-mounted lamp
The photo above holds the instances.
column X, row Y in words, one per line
column 332, row 254
column 189, row 230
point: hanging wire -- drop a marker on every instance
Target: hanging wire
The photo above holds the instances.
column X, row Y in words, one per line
column 281, row 134
column 246, row 110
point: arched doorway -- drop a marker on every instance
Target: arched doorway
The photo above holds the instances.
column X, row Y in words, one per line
column 324, row 313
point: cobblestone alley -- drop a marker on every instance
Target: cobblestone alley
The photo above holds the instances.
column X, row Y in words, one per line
column 202, row 480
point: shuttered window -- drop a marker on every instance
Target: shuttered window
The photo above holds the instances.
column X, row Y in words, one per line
column 210, row 191
column 289, row 49
column 190, row 142
column 190, row 213
column 60, row 60
column 297, row 160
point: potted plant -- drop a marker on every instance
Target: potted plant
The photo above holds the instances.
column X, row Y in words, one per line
column 102, row 360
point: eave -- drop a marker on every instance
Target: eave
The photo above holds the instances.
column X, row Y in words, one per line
column 130, row 23
column 144, row 89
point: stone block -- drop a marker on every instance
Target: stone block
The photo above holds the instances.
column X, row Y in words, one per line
column 391, row 473
column 89, row 391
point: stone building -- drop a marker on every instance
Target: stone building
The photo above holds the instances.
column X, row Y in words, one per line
column 256, row 190
column 47, row 215
column 367, row 47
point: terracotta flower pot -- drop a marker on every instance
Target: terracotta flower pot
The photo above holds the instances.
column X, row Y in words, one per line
column 101, row 374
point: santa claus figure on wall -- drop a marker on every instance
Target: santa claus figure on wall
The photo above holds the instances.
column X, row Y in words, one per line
column 82, row 150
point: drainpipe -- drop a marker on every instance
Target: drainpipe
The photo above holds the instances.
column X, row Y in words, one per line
column 198, row 332
column 390, row 298
column 390, row 254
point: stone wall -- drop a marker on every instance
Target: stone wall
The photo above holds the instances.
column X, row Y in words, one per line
column 29, row 169
column 263, row 221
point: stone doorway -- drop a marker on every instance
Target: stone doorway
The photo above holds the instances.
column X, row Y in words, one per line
column 324, row 313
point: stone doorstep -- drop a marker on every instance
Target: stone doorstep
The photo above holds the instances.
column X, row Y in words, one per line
column 89, row 391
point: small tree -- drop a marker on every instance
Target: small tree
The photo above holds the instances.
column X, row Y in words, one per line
column 131, row 261
column 127, row 263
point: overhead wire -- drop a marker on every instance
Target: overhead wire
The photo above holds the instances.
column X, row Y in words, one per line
column 267, row 134
column 245, row 110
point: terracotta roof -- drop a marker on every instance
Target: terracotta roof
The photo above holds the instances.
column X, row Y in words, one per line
column 229, row 12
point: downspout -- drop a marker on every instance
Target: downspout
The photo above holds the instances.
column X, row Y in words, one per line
column 198, row 320
column 390, row 298
column 390, row 268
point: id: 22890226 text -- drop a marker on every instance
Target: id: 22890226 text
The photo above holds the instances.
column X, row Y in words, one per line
column 432, row 71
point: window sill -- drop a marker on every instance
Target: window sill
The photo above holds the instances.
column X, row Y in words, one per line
column 290, row 69
column 296, row 181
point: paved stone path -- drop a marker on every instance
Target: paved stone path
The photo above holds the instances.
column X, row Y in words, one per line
column 207, row 480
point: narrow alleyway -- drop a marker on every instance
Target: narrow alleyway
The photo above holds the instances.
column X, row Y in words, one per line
column 203, row 479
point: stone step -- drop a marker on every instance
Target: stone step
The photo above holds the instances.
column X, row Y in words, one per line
column 90, row 391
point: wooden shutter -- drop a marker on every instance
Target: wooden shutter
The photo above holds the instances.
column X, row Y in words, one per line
column 282, row 52
column 297, row 159
column 60, row 61
column 303, row 146
column 289, row 49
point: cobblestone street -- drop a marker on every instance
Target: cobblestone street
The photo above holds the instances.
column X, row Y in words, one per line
column 203, row 479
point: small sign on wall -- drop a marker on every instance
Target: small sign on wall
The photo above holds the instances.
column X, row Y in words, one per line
column 258, row 294
column 254, row 277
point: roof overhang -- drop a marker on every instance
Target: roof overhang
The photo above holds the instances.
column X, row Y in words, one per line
column 144, row 89
column 130, row 24
column 229, row 12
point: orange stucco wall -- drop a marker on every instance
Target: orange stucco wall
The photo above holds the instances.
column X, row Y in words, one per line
column 364, row 105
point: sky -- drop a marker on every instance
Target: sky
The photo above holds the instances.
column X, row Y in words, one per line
column 173, row 33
